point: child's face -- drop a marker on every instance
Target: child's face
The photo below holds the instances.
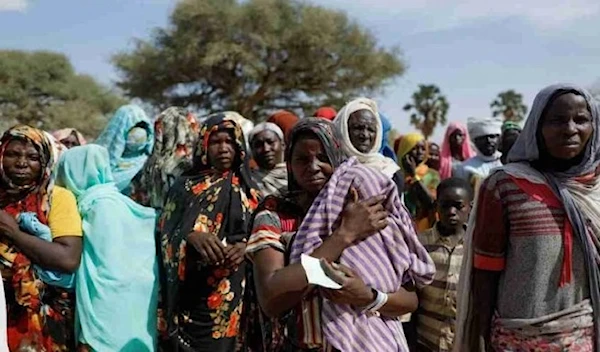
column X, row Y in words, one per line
column 453, row 206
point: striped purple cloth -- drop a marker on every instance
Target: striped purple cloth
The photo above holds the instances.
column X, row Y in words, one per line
column 384, row 261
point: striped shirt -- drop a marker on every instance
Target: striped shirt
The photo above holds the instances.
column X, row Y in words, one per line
column 384, row 261
column 521, row 232
column 437, row 302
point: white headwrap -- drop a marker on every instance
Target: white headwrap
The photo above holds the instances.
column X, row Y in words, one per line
column 265, row 126
column 479, row 127
column 372, row 158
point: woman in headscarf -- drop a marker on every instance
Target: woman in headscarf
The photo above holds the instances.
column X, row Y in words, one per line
column 69, row 137
column 420, row 180
column 282, row 289
column 456, row 148
column 40, row 315
column 117, row 281
column 267, row 144
column 203, row 232
column 285, row 120
column 530, row 279
column 175, row 137
column 359, row 126
column 128, row 137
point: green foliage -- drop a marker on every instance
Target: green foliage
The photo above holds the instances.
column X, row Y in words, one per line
column 256, row 56
column 428, row 109
column 509, row 104
column 41, row 89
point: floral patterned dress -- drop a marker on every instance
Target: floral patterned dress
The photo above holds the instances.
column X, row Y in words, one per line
column 201, row 303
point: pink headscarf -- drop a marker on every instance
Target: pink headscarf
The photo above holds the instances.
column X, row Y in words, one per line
column 446, row 153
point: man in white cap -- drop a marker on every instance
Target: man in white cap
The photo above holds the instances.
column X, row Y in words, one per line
column 485, row 134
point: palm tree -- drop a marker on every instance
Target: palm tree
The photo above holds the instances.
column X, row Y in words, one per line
column 510, row 105
column 428, row 109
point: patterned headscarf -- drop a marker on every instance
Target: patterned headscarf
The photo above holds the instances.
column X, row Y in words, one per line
column 176, row 135
column 324, row 130
column 43, row 187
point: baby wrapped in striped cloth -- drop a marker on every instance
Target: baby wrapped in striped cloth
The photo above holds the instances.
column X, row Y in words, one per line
column 385, row 261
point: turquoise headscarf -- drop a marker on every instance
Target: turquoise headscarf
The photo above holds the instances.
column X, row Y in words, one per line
column 121, row 138
column 117, row 281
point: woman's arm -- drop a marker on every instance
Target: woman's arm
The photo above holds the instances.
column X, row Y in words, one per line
column 281, row 287
column 484, row 290
column 356, row 293
column 63, row 254
column 400, row 303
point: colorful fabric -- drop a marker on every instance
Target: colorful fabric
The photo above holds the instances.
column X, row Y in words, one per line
column 175, row 138
column 274, row 225
column 203, row 303
column 28, row 222
column 386, row 149
column 437, row 302
column 373, row 158
column 385, row 261
column 118, row 251
column 326, row 113
column 446, row 158
column 578, row 189
column 40, row 316
column 285, row 120
column 577, row 322
column 243, row 122
column 126, row 162
column 67, row 132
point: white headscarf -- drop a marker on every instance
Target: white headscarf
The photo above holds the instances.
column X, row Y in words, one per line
column 479, row 127
column 265, row 126
column 373, row 158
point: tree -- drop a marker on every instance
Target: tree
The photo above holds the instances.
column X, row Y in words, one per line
column 41, row 89
column 256, row 56
column 509, row 104
column 428, row 109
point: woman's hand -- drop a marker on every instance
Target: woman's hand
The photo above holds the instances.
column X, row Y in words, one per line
column 363, row 219
column 234, row 254
column 410, row 166
column 353, row 292
column 211, row 250
column 8, row 224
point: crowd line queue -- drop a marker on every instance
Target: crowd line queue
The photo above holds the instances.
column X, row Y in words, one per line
column 188, row 235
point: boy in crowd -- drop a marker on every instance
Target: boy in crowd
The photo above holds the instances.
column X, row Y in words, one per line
column 444, row 242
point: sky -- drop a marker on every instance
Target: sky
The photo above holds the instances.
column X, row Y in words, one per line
column 471, row 49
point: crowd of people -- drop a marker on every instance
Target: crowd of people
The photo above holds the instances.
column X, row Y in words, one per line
column 321, row 233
